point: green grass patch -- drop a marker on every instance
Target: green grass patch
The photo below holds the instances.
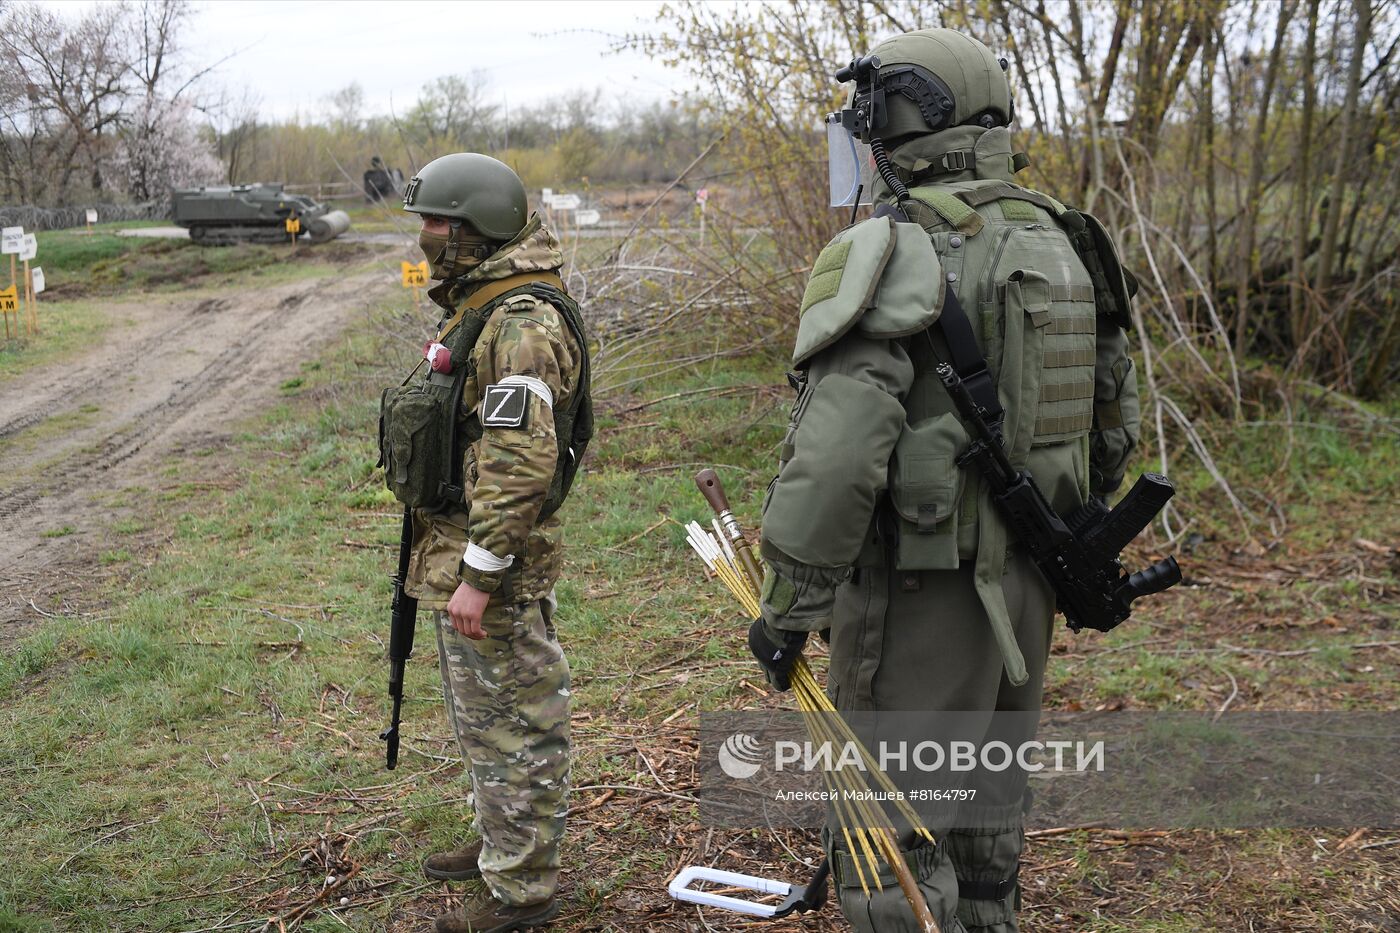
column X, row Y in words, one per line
column 68, row 254
column 76, row 264
column 34, row 654
column 63, row 325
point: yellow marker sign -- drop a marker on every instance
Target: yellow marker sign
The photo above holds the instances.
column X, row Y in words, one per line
column 9, row 300
column 415, row 275
column 293, row 225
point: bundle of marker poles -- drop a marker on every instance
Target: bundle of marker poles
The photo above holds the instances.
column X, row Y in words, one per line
column 868, row 831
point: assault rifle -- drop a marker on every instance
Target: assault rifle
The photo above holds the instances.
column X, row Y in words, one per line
column 403, row 616
column 1078, row 554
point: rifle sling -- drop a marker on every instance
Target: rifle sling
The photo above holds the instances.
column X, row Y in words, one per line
column 966, row 357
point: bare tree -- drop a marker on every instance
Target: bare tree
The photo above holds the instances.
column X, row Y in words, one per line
column 90, row 97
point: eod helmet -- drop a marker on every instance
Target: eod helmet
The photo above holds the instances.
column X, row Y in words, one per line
column 913, row 84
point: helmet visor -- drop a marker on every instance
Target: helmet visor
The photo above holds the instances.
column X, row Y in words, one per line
column 849, row 165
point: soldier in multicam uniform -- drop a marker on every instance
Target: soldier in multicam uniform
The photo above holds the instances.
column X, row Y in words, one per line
column 487, row 556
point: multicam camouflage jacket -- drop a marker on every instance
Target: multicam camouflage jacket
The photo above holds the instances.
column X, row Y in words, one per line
column 506, row 474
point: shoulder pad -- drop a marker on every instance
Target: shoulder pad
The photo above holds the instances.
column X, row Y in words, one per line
column 842, row 284
column 910, row 296
column 1114, row 286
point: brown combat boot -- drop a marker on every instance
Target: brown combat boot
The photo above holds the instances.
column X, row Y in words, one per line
column 457, row 865
column 484, row 914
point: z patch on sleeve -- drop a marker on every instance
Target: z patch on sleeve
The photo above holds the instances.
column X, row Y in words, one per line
column 505, row 406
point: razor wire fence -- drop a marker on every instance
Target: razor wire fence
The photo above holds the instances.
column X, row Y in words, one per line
column 32, row 217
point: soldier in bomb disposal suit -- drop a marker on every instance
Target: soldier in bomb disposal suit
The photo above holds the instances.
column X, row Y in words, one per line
column 877, row 531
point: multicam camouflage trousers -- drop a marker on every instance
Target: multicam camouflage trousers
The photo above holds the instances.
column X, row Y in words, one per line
column 508, row 701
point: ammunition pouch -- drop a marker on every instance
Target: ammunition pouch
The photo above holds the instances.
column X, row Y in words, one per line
column 926, row 487
column 417, row 440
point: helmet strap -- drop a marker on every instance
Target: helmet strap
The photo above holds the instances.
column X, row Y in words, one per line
column 449, row 255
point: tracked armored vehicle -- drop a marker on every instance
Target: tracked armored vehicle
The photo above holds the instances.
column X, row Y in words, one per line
column 224, row 215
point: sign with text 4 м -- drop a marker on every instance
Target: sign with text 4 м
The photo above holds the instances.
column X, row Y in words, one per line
column 9, row 300
column 415, row 275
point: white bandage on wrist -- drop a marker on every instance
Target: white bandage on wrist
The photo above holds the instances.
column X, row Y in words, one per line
column 478, row 558
column 535, row 385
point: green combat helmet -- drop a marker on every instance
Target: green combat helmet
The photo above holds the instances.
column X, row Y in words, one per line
column 937, row 78
column 469, row 186
column 482, row 199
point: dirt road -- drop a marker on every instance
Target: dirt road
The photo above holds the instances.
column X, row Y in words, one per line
column 82, row 439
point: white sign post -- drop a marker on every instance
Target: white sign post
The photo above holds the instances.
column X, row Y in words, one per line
column 565, row 202
column 29, row 248
column 36, row 275
column 11, row 242
column 701, row 197
column 587, row 218
column 91, row 219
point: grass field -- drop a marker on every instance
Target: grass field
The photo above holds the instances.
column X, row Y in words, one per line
column 199, row 751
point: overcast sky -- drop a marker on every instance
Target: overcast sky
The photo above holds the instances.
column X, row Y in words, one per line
column 296, row 52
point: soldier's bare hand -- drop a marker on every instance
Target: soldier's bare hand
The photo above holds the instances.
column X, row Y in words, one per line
column 465, row 609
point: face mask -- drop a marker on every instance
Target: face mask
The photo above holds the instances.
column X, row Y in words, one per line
column 471, row 250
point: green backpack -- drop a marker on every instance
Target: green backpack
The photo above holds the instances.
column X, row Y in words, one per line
column 423, row 432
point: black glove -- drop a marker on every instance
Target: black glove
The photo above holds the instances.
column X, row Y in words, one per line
column 776, row 657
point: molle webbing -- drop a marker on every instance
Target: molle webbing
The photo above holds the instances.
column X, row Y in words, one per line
column 1070, row 356
column 1058, row 292
column 1071, row 325
column 1064, row 424
column 1065, row 391
column 1058, row 326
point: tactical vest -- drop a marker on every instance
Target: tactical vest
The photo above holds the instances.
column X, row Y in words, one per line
column 423, row 431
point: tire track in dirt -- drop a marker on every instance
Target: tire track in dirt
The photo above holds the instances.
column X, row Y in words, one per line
column 37, row 410
column 167, row 377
